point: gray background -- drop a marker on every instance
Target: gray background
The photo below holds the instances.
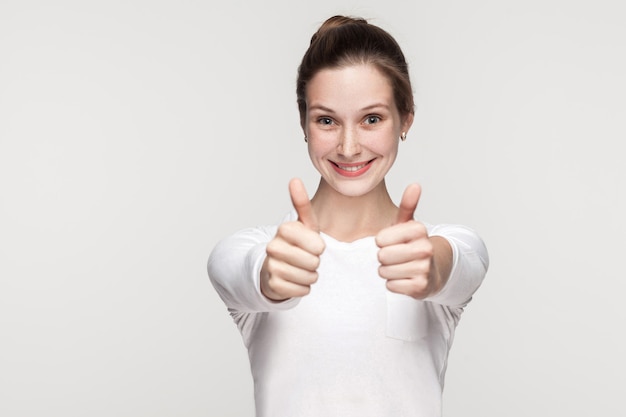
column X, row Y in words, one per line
column 135, row 134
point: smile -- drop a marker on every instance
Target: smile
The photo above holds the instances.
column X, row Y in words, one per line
column 352, row 170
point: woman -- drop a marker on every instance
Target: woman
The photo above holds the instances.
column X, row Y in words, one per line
column 348, row 307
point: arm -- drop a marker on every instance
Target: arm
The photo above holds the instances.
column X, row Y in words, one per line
column 269, row 268
column 469, row 264
column 444, row 264
column 440, row 263
column 293, row 256
column 234, row 268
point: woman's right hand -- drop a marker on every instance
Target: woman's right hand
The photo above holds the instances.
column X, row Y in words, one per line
column 290, row 267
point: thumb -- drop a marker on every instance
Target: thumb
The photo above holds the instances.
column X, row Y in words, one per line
column 408, row 204
column 302, row 204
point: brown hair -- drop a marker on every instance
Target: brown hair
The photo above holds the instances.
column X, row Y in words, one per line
column 343, row 41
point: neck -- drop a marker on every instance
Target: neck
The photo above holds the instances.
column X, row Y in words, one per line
column 348, row 218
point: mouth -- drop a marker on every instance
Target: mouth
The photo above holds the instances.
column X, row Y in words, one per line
column 352, row 170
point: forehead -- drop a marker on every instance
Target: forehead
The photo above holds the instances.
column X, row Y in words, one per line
column 353, row 85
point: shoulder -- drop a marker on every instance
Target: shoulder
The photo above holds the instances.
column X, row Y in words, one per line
column 256, row 234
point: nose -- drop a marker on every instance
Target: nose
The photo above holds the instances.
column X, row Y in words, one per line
column 348, row 143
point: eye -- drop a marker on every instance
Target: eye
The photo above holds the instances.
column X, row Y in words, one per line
column 325, row 121
column 370, row 120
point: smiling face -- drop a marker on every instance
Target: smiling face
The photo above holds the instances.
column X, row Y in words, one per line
column 353, row 126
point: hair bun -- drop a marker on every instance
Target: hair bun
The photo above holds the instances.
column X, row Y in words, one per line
column 335, row 22
column 344, row 40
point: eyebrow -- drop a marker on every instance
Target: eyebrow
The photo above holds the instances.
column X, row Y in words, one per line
column 366, row 108
column 375, row 106
column 322, row 108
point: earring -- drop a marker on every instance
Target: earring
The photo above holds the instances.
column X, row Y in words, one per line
column 403, row 136
column 306, row 140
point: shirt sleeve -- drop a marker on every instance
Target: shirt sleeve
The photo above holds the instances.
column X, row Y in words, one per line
column 234, row 268
column 469, row 267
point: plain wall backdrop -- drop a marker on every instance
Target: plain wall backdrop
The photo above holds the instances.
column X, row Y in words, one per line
column 135, row 134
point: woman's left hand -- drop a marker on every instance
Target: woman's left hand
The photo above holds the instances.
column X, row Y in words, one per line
column 407, row 253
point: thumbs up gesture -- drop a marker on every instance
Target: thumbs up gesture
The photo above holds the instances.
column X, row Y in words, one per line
column 407, row 253
column 290, row 267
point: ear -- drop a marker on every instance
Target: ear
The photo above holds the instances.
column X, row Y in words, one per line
column 303, row 125
column 408, row 121
column 303, row 116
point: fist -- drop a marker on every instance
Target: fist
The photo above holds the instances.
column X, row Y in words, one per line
column 293, row 256
column 406, row 252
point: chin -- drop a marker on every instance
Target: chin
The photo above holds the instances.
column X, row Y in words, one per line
column 354, row 189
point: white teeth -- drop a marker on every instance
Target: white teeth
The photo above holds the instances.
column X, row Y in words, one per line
column 352, row 169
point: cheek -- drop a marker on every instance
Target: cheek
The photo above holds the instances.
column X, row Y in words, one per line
column 384, row 146
column 315, row 154
column 319, row 147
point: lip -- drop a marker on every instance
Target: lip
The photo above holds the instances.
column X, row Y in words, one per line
column 354, row 169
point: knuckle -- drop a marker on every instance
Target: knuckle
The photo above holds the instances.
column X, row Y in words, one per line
column 417, row 228
column 274, row 284
column 287, row 230
column 322, row 245
column 278, row 270
column 271, row 266
column 317, row 248
column 304, row 290
column 271, row 249
column 282, row 229
column 421, row 249
column 419, row 287
column 383, row 257
column 428, row 247
column 315, row 263
column 421, row 268
column 414, row 251
column 382, row 271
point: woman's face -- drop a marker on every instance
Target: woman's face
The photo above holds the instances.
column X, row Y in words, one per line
column 353, row 127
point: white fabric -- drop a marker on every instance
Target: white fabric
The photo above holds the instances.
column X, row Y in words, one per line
column 350, row 347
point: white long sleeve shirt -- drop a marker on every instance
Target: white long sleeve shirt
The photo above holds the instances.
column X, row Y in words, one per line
column 350, row 347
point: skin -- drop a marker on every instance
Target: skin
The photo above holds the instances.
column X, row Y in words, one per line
column 353, row 128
